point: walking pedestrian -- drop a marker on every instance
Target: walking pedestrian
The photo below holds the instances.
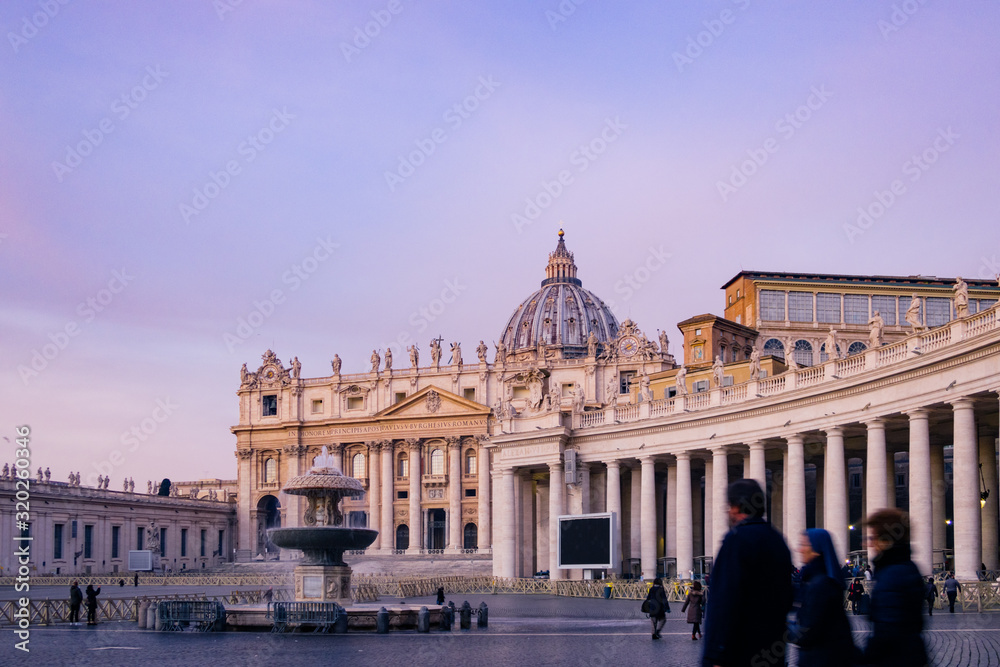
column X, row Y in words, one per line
column 268, row 598
column 854, row 594
column 951, row 587
column 135, row 582
column 75, row 600
column 930, row 594
column 868, row 572
column 92, row 604
column 440, row 595
column 898, row 596
column 751, row 590
column 821, row 629
column 694, row 604
column 658, row 606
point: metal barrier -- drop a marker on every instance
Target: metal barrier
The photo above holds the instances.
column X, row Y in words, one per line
column 321, row 615
column 201, row 615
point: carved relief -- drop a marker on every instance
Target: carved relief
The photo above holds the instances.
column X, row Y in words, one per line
column 433, row 401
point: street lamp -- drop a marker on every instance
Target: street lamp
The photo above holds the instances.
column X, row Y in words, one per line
column 984, row 493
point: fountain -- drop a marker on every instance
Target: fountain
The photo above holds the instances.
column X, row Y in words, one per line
column 322, row 575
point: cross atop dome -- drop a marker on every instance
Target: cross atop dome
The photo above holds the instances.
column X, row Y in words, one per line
column 561, row 267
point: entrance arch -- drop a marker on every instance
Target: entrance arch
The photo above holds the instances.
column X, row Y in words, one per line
column 268, row 516
column 402, row 537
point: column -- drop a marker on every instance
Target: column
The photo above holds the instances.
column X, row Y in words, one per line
column 757, row 470
column 987, row 459
column 708, row 540
column 875, row 489
column 795, row 486
column 374, row 491
column 890, row 479
column 647, row 503
column 939, row 535
column 557, row 507
column 386, row 527
column 415, row 519
column 777, row 499
column 682, row 503
column 614, row 505
column 505, row 543
column 720, row 503
column 968, row 535
column 835, row 508
column 635, row 515
column 584, row 470
column 454, row 494
column 484, row 532
column 820, row 496
column 671, row 546
column 921, row 513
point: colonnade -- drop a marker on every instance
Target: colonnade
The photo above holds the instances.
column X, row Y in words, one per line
column 669, row 490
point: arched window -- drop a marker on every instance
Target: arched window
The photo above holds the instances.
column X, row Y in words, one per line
column 270, row 471
column 358, row 466
column 437, row 462
column 470, row 462
column 722, row 353
column 856, row 347
column 775, row 348
column 402, row 537
column 803, row 353
column 402, row 466
column 470, row 536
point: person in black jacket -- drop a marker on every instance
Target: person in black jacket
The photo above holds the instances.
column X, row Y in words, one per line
column 898, row 596
column 822, row 631
column 854, row 594
column 751, row 590
column 658, row 606
column 75, row 600
column 92, row 604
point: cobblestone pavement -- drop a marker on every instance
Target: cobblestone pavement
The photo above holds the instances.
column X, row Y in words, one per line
column 524, row 630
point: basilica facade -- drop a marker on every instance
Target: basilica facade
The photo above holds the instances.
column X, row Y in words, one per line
column 579, row 413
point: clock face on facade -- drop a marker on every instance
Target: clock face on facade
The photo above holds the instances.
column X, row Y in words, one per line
column 269, row 374
column 628, row 346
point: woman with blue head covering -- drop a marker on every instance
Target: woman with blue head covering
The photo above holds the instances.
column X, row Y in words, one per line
column 822, row 632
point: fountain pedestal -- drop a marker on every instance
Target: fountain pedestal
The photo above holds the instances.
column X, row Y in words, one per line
column 323, row 583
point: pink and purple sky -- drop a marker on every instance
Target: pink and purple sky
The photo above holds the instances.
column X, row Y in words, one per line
column 168, row 167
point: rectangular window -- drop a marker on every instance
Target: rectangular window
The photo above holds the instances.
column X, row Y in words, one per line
column 184, row 542
column 88, row 541
column 470, row 493
column 727, row 380
column 140, row 538
column 57, row 541
column 317, row 406
column 772, row 305
column 26, row 531
column 856, row 309
column 670, row 392
column 800, row 306
column 222, row 535
column 700, row 386
column 269, row 405
column 828, row 308
column 402, row 495
column 625, row 381
column 469, row 393
column 886, row 307
column 986, row 304
column 116, row 532
column 163, row 541
column 201, row 549
column 73, row 529
column 938, row 311
column 355, row 402
column 400, row 396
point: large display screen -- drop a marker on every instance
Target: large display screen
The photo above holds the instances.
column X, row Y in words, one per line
column 585, row 541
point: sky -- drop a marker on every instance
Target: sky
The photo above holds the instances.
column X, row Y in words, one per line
column 185, row 185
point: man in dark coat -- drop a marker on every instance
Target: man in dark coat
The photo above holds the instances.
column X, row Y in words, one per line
column 898, row 596
column 75, row 600
column 751, row 591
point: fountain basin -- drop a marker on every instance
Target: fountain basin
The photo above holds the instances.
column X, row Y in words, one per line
column 322, row 545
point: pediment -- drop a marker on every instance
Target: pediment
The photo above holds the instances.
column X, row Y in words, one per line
column 433, row 402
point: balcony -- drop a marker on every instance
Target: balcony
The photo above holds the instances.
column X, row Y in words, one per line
column 430, row 481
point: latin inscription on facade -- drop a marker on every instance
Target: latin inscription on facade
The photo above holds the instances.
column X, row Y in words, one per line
column 527, row 451
column 395, row 428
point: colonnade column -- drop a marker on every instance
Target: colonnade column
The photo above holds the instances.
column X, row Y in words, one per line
column 484, row 531
column 685, row 537
column 374, row 491
column 921, row 513
column 671, row 537
column 835, row 514
column 386, row 525
column 708, row 534
column 505, row 558
column 454, row 494
column 795, row 485
column 777, row 500
column 758, row 471
column 614, row 505
column 987, row 462
column 939, row 536
column 647, row 504
column 557, row 507
column 965, row 463
column 720, row 504
column 875, row 488
column 414, row 519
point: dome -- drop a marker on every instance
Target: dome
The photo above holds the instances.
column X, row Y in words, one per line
column 561, row 314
